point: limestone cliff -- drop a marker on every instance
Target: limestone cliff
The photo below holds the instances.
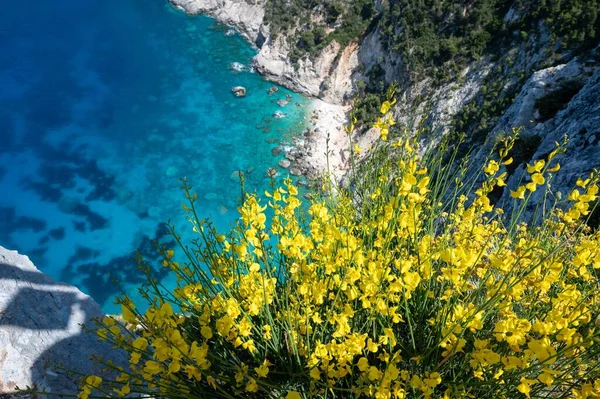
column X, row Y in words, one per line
column 245, row 16
column 326, row 75
column 40, row 330
column 491, row 93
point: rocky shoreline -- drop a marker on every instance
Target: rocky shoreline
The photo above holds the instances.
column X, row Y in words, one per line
column 312, row 155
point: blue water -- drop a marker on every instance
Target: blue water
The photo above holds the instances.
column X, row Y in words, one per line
column 104, row 104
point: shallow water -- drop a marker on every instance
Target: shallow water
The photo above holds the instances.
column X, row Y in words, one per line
column 103, row 106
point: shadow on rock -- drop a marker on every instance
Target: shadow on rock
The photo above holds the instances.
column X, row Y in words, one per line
column 40, row 329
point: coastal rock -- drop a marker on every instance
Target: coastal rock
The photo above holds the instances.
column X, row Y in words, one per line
column 239, row 91
column 327, row 75
column 41, row 327
column 279, row 115
column 295, row 172
column 284, row 163
column 236, row 175
column 271, row 173
column 282, row 102
column 246, row 17
column 579, row 121
column 273, row 90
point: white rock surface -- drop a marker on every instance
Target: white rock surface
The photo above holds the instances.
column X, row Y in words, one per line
column 579, row 121
column 245, row 16
column 40, row 327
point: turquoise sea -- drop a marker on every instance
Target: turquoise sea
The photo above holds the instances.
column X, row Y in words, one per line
column 104, row 105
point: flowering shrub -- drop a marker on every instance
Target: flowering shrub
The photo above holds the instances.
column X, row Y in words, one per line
column 414, row 285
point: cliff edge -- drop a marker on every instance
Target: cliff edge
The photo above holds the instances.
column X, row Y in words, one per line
column 40, row 329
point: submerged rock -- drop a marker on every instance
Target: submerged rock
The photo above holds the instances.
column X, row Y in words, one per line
column 171, row 171
column 229, row 32
column 279, row 114
column 273, row 90
column 276, row 151
column 284, row 163
column 271, row 172
column 295, row 172
column 282, row 103
column 239, row 91
column 236, row 175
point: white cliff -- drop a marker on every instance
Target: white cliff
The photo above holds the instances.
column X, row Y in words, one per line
column 40, row 329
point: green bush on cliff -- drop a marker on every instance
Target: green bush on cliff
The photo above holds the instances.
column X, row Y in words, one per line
column 432, row 32
column 317, row 23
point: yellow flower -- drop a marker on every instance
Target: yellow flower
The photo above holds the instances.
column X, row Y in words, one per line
column 252, row 386
column 537, row 178
column 554, row 169
column 363, row 364
column 123, row 391
column 93, row 381
column 315, row 374
column 518, row 193
column 536, row 167
column 491, row 168
column 357, row 149
column 372, row 346
column 128, row 315
column 263, row 369
column 151, row 367
column 140, row 344
column 293, row 395
column 206, row 332
column 385, row 107
column 525, row 386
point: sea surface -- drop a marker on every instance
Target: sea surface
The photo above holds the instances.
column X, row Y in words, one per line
column 104, row 106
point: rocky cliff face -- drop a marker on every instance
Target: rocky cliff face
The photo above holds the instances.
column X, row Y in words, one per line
column 578, row 121
column 511, row 81
column 326, row 76
column 245, row 16
column 40, row 329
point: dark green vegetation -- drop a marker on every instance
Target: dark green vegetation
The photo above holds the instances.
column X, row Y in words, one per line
column 313, row 24
column 432, row 33
column 438, row 38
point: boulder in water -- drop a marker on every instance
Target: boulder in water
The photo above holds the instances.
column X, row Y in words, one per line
column 284, row 163
column 271, row 172
column 171, row 171
column 239, row 91
column 236, row 175
column 273, row 89
column 276, row 151
column 279, row 114
column 282, row 103
column 295, row 172
column 229, row 32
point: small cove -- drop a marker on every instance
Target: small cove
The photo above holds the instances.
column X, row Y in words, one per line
column 104, row 105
